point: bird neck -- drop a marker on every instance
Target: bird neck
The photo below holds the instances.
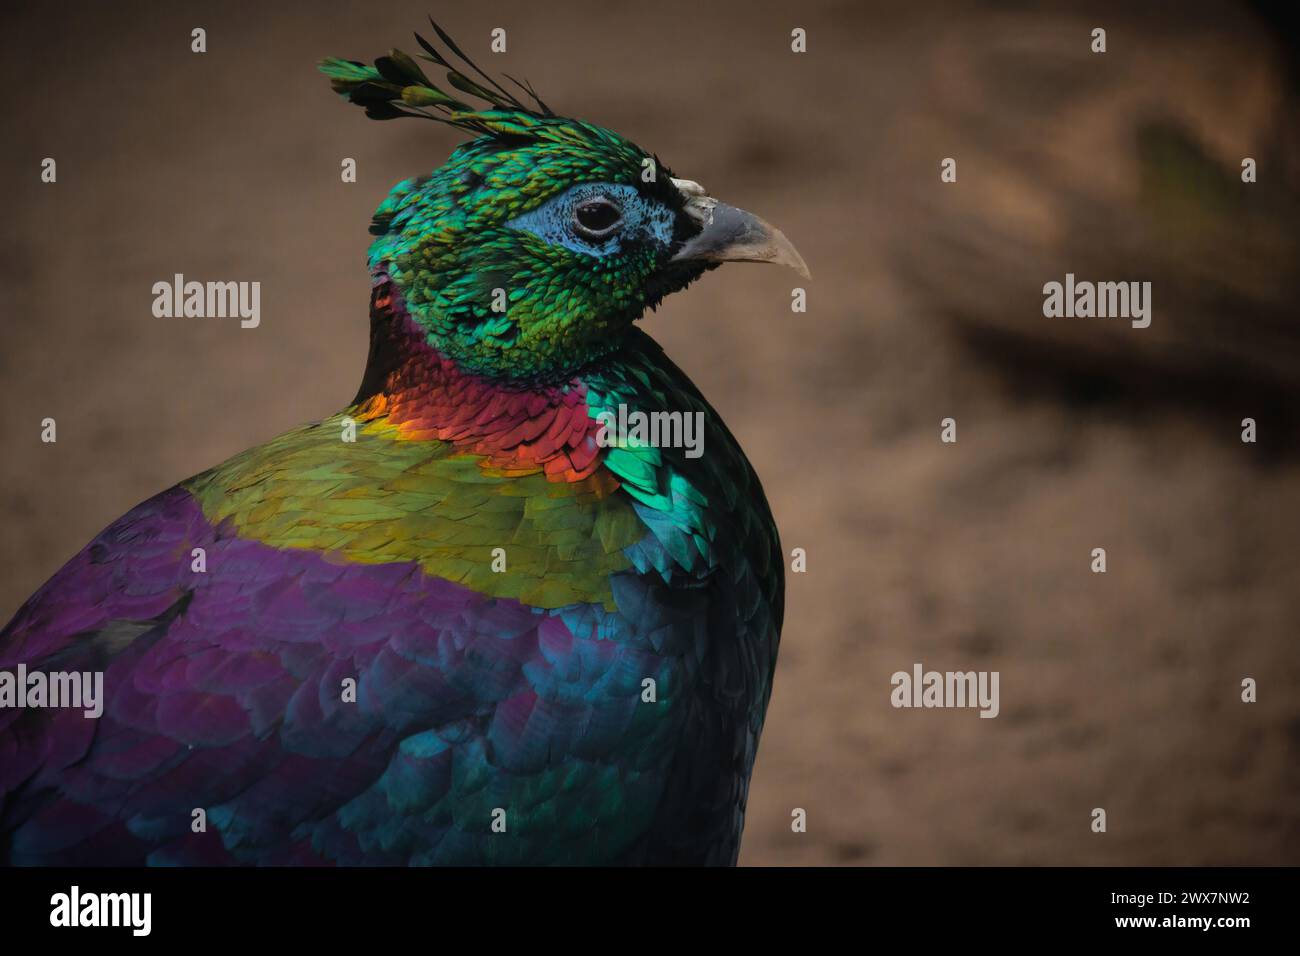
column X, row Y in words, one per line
column 517, row 428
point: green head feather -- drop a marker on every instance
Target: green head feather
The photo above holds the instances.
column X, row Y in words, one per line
column 531, row 251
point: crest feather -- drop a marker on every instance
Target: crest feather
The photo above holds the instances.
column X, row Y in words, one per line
column 396, row 87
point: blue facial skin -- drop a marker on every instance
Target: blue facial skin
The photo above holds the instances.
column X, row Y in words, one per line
column 643, row 220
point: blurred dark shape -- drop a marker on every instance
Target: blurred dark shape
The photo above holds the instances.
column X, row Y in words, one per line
column 1122, row 166
column 1279, row 17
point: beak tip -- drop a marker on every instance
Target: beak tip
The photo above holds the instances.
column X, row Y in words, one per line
column 786, row 254
column 733, row 235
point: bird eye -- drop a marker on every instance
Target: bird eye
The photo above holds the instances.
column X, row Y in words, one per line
column 597, row 218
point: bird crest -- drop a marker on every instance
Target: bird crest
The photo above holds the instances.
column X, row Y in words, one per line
column 396, row 87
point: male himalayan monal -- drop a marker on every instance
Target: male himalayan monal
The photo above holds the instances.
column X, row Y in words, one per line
column 464, row 620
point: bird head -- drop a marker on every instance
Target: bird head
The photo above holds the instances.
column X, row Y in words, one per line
column 533, row 249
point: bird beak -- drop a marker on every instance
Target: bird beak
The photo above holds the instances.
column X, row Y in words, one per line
column 728, row 234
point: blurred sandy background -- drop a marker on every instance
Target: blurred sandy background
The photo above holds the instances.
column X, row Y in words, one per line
column 1117, row 690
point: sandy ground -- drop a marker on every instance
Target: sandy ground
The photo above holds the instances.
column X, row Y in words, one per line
column 1118, row 691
